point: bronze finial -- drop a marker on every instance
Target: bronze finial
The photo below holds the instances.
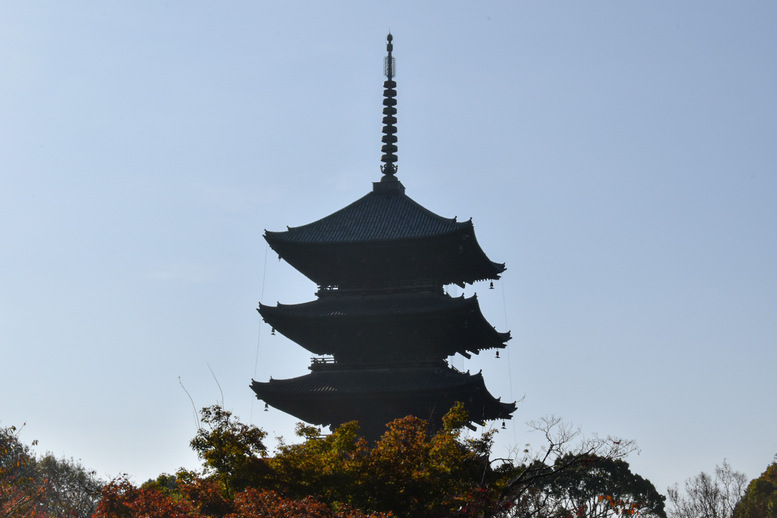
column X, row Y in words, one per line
column 388, row 62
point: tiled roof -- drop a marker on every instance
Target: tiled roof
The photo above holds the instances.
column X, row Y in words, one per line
column 378, row 216
column 385, row 238
column 407, row 324
column 372, row 380
column 377, row 396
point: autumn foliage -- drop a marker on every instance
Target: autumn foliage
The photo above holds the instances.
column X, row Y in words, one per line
column 411, row 471
column 199, row 498
column 760, row 498
column 18, row 490
column 32, row 487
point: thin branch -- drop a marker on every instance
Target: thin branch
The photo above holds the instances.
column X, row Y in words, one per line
column 217, row 384
column 194, row 408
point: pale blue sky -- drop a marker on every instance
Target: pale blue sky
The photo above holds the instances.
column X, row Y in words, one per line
column 620, row 157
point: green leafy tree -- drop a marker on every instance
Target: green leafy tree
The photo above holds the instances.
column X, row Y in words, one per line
column 232, row 451
column 409, row 471
column 422, row 474
column 760, row 498
column 328, row 467
column 572, row 475
column 589, row 486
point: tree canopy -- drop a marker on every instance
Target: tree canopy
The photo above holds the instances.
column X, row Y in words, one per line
column 760, row 498
column 708, row 496
column 411, row 471
column 32, row 487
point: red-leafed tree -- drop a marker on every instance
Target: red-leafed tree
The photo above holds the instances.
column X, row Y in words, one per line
column 32, row 487
column 190, row 496
column 19, row 491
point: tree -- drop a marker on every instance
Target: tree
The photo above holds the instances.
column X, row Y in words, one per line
column 590, row 486
column 571, row 475
column 69, row 489
column 412, row 471
column 121, row 499
column 760, row 498
column 254, row 503
column 18, row 490
column 708, row 496
column 409, row 471
column 232, row 451
column 190, row 496
column 423, row 474
column 50, row 487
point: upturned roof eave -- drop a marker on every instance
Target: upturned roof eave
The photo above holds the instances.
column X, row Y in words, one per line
column 473, row 266
column 335, row 316
column 377, row 382
column 376, row 305
column 302, row 391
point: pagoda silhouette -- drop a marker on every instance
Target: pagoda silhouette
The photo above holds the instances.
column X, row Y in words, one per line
column 382, row 324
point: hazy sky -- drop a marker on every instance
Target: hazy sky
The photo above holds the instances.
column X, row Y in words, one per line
column 619, row 156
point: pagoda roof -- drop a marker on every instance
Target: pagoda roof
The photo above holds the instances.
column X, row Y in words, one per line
column 385, row 233
column 331, row 397
column 383, row 380
column 431, row 324
column 388, row 215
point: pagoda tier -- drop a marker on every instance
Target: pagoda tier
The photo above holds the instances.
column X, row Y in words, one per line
column 355, row 328
column 330, row 396
column 385, row 239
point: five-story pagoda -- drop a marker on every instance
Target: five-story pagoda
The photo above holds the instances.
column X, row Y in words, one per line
column 382, row 323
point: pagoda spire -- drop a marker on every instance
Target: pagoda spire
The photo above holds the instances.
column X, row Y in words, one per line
column 389, row 138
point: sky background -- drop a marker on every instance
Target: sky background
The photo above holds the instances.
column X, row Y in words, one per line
column 620, row 157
